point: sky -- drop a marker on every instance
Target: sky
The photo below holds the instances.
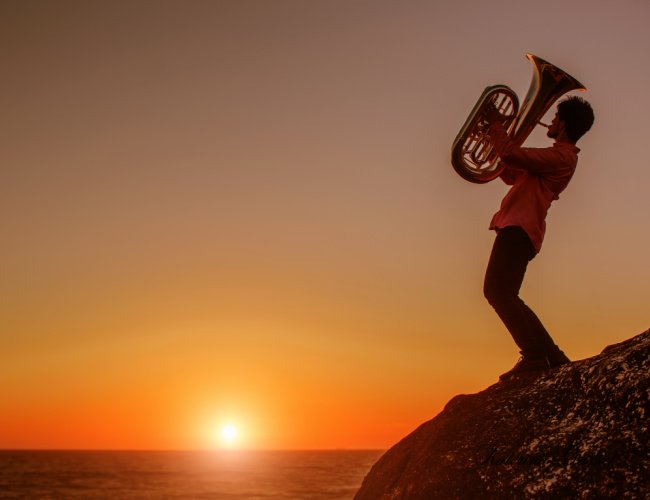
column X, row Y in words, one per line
column 244, row 213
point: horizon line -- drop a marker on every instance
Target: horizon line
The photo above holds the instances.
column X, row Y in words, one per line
column 215, row 450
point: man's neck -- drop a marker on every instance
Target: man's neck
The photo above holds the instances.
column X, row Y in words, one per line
column 562, row 138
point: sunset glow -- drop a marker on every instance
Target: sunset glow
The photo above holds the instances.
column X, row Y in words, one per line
column 228, row 434
column 236, row 224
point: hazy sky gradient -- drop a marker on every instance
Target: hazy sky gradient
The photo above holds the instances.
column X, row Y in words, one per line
column 245, row 211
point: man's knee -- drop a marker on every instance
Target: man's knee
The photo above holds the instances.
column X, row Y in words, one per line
column 496, row 296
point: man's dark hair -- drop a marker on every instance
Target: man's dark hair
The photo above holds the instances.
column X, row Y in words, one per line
column 577, row 115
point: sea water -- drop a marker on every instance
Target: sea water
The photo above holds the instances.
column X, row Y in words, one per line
column 268, row 475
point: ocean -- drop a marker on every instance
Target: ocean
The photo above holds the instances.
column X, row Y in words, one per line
column 264, row 475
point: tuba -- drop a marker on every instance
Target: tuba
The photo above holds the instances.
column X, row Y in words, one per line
column 472, row 156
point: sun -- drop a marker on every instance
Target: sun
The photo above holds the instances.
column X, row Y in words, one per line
column 228, row 434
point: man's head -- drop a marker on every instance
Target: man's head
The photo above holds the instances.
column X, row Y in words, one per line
column 574, row 116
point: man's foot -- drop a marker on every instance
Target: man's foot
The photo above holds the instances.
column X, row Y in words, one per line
column 535, row 364
column 557, row 358
column 526, row 365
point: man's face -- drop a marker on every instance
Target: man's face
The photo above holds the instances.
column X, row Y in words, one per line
column 554, row 129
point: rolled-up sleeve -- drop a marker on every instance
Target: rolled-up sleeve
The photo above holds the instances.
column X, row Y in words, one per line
column 533, row 160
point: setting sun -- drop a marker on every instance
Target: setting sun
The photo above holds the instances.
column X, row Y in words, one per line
column 228, row 434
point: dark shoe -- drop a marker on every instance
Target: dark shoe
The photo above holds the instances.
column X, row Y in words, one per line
column 526, row 365
column 557, row 358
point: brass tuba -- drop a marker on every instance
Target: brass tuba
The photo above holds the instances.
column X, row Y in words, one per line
column 472, row 156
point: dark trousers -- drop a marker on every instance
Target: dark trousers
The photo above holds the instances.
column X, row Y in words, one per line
column 511, row 253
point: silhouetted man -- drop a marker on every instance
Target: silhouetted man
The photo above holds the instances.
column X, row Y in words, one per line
column 537, row 177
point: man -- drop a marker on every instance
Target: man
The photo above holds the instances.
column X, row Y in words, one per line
column 537, row 177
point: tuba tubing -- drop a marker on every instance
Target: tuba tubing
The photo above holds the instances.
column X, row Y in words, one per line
column 472, row 156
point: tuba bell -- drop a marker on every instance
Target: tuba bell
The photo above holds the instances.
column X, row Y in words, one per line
column 472, row 156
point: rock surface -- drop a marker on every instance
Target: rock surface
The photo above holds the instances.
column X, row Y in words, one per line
column 579, row 431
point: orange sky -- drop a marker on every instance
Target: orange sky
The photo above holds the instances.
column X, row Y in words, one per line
column 245, row 212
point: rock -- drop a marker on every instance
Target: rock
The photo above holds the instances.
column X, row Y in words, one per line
column 579, row 431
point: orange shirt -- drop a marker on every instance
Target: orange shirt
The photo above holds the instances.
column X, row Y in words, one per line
column 537, row 176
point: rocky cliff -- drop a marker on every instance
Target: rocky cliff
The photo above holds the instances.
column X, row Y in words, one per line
column 579, row 431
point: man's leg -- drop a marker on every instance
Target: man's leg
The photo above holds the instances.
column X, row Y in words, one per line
column 511, row 253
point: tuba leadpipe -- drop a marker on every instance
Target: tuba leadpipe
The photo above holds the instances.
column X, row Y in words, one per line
column 472, row 156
